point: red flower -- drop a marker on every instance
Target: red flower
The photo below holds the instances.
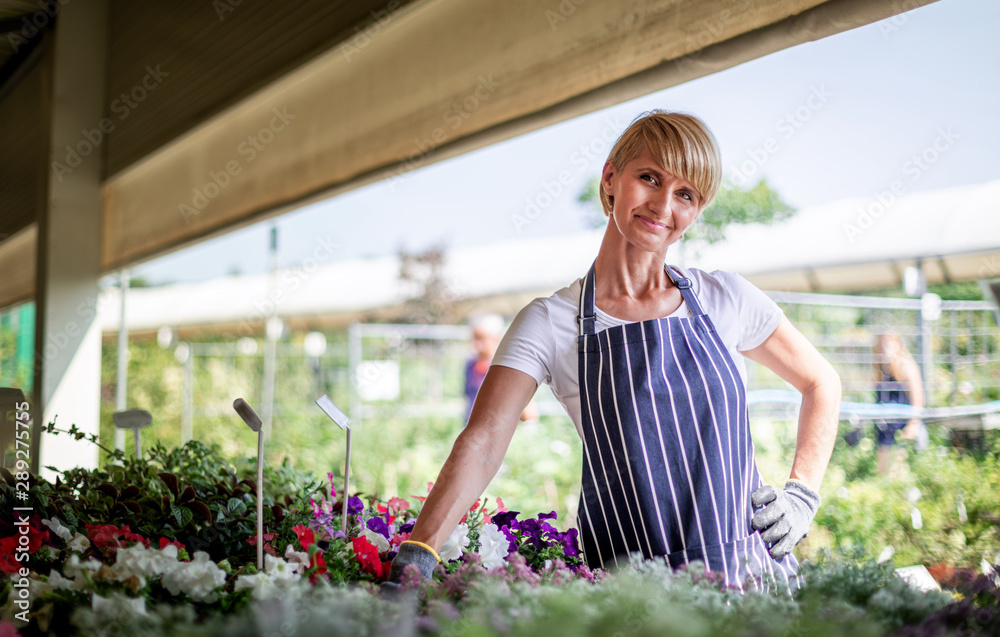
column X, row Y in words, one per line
column 8, row 564
column 305, row 535
column 385, row 511
column 318, row 564
column 164, row 543
column 110, row 538
column 252, row 540
column 398, row 539
column 36, row 537
column 398, row 505
column 501, row 507
column 367, row 556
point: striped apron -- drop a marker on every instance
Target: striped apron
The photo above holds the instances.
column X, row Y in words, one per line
column 668, row 464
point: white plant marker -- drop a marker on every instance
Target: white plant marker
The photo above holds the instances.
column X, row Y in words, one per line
column 341, row 420
column 134, row 419
column 253, row 421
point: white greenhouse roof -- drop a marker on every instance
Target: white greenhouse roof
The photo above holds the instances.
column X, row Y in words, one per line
column 829, row 248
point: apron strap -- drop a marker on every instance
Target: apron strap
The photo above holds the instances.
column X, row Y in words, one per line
column 586, row 318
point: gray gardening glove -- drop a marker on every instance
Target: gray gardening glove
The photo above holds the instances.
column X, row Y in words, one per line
column 424, row 560
column 786, row 518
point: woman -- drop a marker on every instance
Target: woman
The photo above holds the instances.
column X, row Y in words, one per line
column 897, row 381
column 643, row 358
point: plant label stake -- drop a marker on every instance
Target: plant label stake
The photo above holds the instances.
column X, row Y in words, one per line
column 253, row 421
column 134, row 419
column 341, row 420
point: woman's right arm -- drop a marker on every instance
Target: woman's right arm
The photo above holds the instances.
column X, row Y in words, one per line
column 476, row 455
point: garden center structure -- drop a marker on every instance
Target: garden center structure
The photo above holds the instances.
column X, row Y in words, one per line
column 131, row 129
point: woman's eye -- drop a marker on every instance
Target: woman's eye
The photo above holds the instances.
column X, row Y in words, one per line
column 687, row 196
column 651, row 178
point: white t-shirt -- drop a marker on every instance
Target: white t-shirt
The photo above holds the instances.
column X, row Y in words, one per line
column 542, row 340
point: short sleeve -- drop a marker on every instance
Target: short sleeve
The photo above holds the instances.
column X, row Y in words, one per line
column 528, row 345
column 758, row 314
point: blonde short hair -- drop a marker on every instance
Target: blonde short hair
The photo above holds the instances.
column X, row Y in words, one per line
column 682, row 143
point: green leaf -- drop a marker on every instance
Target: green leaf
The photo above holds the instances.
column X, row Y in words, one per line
column 182, row 514
column 236, row 505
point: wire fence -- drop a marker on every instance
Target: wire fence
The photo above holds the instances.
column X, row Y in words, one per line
column 417, row 371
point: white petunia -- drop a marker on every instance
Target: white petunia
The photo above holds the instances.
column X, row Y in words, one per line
column 261, row 585
column 118, row 606
column 60, row 583
column 299, row 560
column 79, row 543
column 493, row 546
column 56, row 526
column 380, row 542
column 198, row 578
column 75, row 567
column 456, row 543
column 279, row 570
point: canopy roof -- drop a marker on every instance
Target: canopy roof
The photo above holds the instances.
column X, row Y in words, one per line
column 218, row 118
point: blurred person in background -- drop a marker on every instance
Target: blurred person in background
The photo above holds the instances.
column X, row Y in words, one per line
column 897, row 381
column 486, row 332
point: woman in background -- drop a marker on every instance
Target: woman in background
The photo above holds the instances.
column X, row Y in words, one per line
column 897, row 381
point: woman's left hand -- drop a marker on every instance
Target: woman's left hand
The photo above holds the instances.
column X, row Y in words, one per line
column 786, row 518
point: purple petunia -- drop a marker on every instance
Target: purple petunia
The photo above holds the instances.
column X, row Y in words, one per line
column 379, row 525
column 406, row 528
column 506, row 519
column 354, row 505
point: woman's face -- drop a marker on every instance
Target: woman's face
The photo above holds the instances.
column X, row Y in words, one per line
column 652, row 208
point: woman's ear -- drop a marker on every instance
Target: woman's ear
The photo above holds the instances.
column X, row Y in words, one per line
column 607, row 177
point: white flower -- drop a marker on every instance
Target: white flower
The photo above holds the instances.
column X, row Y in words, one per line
column 198, row 578
column 75, row 567
column 60, row 583
column 380, row 542
column 260, row 583
column 455, row 544
column 493, row 546
column 279, row 570
column 298, row 559
column 142, row 562
column 79, row 543
column 118, row 606
column 58, row 529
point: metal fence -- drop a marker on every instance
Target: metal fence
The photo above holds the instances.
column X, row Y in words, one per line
column 417, row 371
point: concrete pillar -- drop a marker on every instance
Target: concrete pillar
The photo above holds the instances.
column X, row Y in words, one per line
column 67, row 334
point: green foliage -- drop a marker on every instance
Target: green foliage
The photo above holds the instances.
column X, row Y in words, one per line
column 956, row 493
column 733, row 205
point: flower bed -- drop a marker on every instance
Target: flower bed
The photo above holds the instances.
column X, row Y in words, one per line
column 168, row 546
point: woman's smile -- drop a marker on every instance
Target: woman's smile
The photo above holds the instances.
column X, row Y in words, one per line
column 652, row 225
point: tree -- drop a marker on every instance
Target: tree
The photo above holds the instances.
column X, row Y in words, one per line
column 435, row 298
column 732, row 205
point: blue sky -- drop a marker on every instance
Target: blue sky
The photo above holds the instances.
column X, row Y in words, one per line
column 823, row 121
